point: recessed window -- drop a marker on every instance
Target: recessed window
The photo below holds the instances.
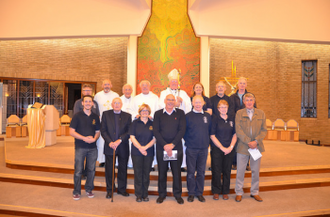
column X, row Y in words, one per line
column 308, row 89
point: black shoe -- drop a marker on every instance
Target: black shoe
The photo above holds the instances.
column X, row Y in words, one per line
column 146, row 199
column 190, row 198
column 183, row 169
column 201, row 198
column 138, row 199
column 152, row 169
column 160, row 199
column 234, row 167
column 83, row 177
column 125, row 194
column 108, row 196
column 210, row 168
column 101, row 164
column 179, row 200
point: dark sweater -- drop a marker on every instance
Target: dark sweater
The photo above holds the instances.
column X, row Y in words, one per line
column 198, row 130
column 169, row 128
column 215, row 100
column 236, row 102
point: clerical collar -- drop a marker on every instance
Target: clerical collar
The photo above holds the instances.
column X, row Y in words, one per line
column 201, row 112
column 164, row 110
column 117, row 112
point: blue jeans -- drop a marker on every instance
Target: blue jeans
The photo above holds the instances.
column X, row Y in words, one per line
column 196, row 161
column 80, row 155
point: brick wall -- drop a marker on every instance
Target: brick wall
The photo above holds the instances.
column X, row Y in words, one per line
column 81, row 59
column 273, row 70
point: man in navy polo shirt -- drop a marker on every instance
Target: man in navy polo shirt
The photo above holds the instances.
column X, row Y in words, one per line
column 197, row 139
column 85, row 128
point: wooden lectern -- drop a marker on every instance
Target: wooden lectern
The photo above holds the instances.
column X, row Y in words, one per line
column 51, row 124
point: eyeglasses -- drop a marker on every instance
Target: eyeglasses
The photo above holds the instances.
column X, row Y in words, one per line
column 144, row 110
column 222, row 107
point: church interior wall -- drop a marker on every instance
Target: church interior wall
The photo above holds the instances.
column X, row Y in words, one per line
column 274, row 73
column 75, row 59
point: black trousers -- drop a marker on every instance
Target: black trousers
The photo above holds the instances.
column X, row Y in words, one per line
column 122, row 172
column 142, row 168
column 221, row 165
column 176, row 172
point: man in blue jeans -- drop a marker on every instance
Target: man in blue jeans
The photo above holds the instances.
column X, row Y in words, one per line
column 85, row 128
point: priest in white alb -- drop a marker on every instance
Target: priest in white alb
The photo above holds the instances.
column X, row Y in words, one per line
column 126, row 98
column 104, row 99
column 145, row 97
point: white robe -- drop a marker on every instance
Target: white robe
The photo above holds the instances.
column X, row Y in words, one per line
column 126, row 108
column 185, row 106
column 104, row 101
column 186, row 102
column 126, row 104
column 150, row 99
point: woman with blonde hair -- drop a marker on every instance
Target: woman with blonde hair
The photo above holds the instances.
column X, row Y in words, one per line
column 143, row 140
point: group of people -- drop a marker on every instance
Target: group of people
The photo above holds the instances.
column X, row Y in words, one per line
column 173, row 130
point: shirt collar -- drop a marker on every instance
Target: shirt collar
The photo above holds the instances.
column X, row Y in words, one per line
column 164, row 110
column 201, row 112
column 250, row 111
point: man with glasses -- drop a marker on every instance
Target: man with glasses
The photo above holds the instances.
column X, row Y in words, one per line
column 87, row 90
column 114, row 129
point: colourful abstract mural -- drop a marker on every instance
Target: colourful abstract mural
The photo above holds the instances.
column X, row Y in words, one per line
column 168, row 42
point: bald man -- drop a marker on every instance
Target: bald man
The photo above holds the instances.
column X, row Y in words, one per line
column 126, row 98
column 114, row 129
column 169, row 128
column 104, row 99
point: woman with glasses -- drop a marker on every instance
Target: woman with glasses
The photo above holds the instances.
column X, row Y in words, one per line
column 223, row 135
column 143, row 140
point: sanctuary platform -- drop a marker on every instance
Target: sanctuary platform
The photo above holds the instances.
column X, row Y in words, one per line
column 299, row 169
column 284, row 165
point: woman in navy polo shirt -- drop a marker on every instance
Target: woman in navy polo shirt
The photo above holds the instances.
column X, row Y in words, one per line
column 224, row 137
column 142, row 152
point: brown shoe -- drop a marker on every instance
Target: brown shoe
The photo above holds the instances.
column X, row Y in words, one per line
column 238, row 198
column 225, row 197
column 248, row 168
column 216, row 197
column 256, row 197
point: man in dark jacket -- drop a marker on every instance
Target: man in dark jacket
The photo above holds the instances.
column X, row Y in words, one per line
column 114, row 130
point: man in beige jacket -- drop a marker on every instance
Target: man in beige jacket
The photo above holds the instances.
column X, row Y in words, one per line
column 250, row 130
